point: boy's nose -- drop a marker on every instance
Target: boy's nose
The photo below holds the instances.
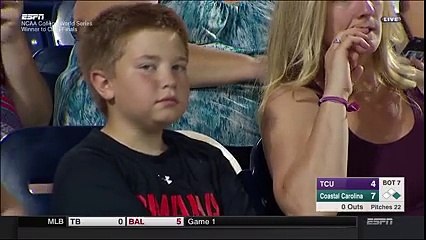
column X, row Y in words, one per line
column 168, row 80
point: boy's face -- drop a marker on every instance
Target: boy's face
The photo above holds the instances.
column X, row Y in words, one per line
column 151, row 84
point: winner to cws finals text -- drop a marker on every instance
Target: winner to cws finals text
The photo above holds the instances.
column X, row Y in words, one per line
column 37, row 23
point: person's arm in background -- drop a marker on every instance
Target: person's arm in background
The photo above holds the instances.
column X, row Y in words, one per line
column 210, row 67
column 25, row 84
column 9, row 205
column 413, row 14
column 207, row 67
column 420, row 79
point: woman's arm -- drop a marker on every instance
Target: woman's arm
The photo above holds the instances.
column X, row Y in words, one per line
column 207, row 67
column 303, row 141
column 25, row 85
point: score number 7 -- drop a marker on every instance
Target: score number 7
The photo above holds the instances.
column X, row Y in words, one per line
column 373, row 184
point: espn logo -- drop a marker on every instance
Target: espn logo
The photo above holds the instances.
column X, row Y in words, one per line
column 379, row 221
column 32, row 16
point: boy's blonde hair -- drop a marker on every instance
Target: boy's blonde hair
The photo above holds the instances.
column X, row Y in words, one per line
column 102, row 43
column 296, row 48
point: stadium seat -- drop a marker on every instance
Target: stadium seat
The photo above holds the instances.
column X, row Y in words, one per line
column 39, row 39
column 242, row 154
column 248, row 182
column 51, row 62
column 202, row 137
column 262, row 181
column 28, row 162
column 63, row 14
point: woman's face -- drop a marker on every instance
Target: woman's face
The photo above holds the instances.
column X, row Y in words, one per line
column 343, row 15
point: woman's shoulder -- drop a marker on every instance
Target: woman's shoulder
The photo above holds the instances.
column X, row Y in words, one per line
column 291, row 105
column 292, row 95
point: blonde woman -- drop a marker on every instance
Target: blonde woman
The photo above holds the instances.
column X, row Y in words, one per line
column 340, row 102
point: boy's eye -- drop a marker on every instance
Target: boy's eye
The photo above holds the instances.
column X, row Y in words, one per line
column 147, row 67
column 179, row 67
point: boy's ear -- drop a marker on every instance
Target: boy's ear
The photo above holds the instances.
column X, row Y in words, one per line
column 102, row 84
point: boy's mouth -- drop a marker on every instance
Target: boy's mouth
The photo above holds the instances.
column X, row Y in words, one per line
column 168, row 99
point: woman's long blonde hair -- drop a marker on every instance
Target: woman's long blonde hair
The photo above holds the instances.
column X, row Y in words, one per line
column 295, row 48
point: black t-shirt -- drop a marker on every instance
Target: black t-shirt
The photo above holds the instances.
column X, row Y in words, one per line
column 102, row 177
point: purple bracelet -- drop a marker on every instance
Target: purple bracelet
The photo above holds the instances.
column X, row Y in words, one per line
column 350, row 107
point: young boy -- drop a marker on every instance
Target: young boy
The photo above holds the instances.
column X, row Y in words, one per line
column 135, row 57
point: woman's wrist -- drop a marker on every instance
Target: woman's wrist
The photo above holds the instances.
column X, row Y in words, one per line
column 350, row 106
column 336, row 93
column 259, row 67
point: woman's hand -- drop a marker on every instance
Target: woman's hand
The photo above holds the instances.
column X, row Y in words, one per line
column 10, row 19
column 341, row 61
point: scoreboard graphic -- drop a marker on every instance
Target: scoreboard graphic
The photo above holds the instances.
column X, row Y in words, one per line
column 125, row 221
column 221, row 227
column 380, row 194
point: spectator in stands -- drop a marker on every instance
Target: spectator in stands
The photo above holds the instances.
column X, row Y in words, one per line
column 9, row 205
column 25, row 98
column 226, row 113
column 336, row 54
column 137, row 74
column 412, row 13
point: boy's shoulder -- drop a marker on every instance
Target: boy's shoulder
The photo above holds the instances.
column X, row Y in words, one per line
column 91, row 148
column 96, row 147
column 191, row 140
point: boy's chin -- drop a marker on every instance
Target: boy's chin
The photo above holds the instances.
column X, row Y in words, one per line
column 167, row 120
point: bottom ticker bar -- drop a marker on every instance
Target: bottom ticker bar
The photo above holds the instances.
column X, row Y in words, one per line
column 344, row 221
column 271, row 221
column 389, row 227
